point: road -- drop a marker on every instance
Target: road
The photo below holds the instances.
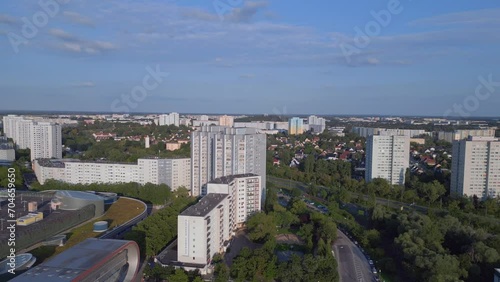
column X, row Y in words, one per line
column 352, row 263
column 381, row 201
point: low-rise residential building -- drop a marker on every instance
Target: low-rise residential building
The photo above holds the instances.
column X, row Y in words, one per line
column 7, row 152
column 103, row 136
column 172, row 172
column 462, row 134
column 46, row 169
column 368, row 131
column 419, row 141
column 172, row 146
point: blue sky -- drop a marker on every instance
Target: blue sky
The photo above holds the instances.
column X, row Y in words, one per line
column 251, row 57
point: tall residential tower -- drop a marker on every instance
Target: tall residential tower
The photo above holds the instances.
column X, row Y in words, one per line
column 46, row 140
column 387, row 157
column 221, row 151
column 475, row 167
column 295, row 126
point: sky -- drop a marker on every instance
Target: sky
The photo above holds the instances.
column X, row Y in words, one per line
column 325, row 57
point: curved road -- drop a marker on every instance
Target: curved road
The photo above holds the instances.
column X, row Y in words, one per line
column 352, row 263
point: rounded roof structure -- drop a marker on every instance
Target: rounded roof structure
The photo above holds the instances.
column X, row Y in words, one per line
column 21, row 261
column 79, row 195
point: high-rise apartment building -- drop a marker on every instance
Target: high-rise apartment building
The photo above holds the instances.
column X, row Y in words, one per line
column 221, row 151
column 476, row 167
column 9, row 125
column 203, row 230
column 317, row 124
column 19, row 129
column 43, row 138
column 387, row 157
column 226, row 121
column 169, row 119
column 295, row 126
column 46, row 140
column 245, row 191
column 178, row 173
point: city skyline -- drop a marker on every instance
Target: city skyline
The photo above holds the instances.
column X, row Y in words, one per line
column 291, row 55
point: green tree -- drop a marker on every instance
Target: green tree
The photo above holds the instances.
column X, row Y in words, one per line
column 179, row 276
column 261, row 227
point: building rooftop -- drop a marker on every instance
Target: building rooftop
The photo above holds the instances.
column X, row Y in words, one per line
column 50, row 163
column 228, row 179
column 74, row 262
column 205, row 205
column 78, row 195
column 6, row 146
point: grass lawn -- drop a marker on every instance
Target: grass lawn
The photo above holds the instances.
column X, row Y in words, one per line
column 120, row 212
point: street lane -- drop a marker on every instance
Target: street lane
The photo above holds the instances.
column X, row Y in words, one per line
column 352, row 263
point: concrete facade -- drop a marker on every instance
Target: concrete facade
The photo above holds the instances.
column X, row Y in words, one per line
column 245, row 191
column 456, row 135
column 173, row 172
column 295, row 126
column 169, row 119
column 46, row 140
column 476, row 167
column 387, row 157
column 226, row 121
column 222, row 151
column 203, row 229
column 368, row 131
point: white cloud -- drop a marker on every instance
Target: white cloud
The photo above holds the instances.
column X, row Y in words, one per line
column 475, row 17
column 72, row 43
column 78, row 18
column 61, row 34
column 373, row 61
column 84, row 84
column 247, row 12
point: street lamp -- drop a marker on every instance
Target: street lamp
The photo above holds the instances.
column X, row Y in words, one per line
column 24, row 204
